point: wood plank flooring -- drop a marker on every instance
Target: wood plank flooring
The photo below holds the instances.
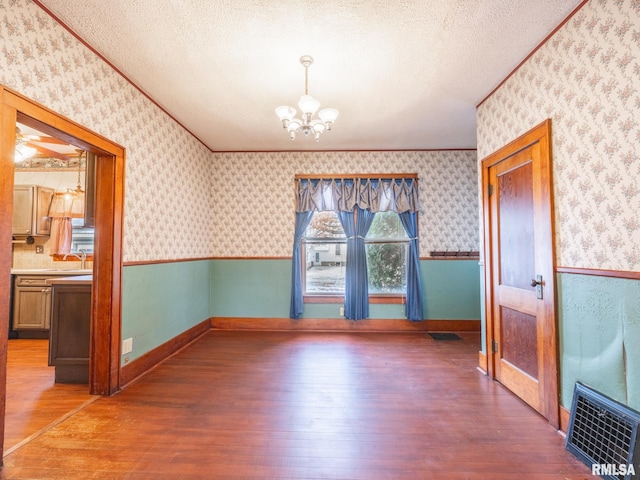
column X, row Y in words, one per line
column 288, row 405
column 34, row 400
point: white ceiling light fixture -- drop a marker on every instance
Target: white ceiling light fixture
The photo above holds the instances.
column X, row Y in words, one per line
column 22, row 151
column 308, row 106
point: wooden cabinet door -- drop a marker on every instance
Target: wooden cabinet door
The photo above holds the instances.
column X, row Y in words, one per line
column 42, row 222
column 31, row 308
column 22, row 210
column 31, row 210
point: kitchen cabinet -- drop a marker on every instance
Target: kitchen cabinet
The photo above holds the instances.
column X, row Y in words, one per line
column 31, row 302
column 31, row 210
column 70, row 328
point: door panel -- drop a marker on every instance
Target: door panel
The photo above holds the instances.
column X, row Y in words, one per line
column 518, row 220
column 520, row 340
column 515, row 194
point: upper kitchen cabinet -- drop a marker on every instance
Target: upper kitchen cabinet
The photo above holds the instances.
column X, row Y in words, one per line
column 31, row 209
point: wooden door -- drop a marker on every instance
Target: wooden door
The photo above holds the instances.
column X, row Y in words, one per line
column 521, row 321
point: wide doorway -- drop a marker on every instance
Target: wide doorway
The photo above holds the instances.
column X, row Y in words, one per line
column 104, row 362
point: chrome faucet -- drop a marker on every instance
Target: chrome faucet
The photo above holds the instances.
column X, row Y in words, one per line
column 82, row 257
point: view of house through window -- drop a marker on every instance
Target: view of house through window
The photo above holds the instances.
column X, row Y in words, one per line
column 325, row 255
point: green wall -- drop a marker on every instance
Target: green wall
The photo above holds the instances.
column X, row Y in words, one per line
column 161, row 301
column 599, row 330
column 451, row 289
column 250, row 288
column 262, row 288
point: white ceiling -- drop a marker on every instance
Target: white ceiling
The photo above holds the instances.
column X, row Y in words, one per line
column 404, row 74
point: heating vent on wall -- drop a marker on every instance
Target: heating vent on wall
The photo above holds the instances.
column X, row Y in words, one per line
column 604, row 434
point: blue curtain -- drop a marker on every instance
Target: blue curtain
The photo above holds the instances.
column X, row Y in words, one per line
column 356, row 294
column 413, row 309
column 297, row 295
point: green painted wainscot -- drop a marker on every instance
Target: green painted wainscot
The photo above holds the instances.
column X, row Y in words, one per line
column 161, row 301
column 599, row 330
column 262, row 288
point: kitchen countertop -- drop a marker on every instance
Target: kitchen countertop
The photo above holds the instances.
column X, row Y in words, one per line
column 77, row 280
column 51, row 271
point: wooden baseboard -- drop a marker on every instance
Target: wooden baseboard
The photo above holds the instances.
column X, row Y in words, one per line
column 341, row 325
column 482, row 362
column 565, row 417
column 149, row 360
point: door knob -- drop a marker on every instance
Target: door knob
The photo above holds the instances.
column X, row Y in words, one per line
column 537, row 283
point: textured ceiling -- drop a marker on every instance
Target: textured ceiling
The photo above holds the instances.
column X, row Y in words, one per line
column 404, row 74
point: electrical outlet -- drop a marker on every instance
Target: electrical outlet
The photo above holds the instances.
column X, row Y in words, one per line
column 342, row 311
column 39, row 249
column 127, row 346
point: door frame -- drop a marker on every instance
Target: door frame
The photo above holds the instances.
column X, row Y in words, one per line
column 543, row 205
column 106, row 310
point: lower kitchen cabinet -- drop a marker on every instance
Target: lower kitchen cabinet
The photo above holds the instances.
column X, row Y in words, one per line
column 70, row 331
column 31, row 303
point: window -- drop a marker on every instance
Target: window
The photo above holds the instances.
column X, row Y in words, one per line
column 81, row 237
column 325, row 255
column 347, row 229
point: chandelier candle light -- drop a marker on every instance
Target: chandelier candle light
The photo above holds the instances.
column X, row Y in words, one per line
column 308, row 105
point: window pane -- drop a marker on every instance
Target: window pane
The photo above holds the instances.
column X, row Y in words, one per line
column 325, row 225
column 325, row 267
column 386, row 225
column 325, row 262
column 386, row 267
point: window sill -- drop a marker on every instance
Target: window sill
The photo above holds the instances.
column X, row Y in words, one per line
column 373, row 299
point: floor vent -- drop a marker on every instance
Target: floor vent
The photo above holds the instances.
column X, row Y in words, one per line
column 604, row 434
column 444, row 336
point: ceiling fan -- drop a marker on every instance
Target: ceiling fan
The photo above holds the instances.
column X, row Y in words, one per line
column 39, row 145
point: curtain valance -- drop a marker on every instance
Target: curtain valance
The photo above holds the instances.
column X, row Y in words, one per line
column 399, row 195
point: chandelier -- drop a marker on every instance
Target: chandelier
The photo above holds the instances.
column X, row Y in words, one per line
column 308, row 106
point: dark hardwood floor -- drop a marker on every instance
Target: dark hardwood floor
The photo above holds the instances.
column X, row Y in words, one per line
column 277, row 405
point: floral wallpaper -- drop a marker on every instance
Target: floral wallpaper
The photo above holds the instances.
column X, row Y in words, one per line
column 586, row 79
column 180, row 198
column 264, row 226
column 167, row 169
